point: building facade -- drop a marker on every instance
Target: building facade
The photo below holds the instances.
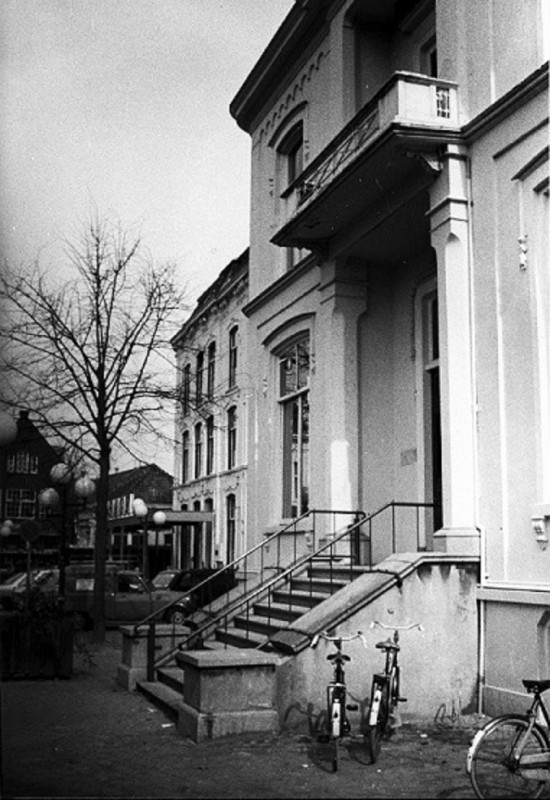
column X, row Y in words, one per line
column 25, row 467
column 399, row 297
column 128, row 532
column 212, row 419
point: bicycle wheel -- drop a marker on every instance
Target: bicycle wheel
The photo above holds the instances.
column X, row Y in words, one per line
column 378, row 716
column 491, row 767
column 393, row 694
column 336, row 723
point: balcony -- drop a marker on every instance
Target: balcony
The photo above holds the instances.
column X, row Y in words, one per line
column 410, row 114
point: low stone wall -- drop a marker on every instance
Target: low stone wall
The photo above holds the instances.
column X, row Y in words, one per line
column 133, row 667
column 227, row 692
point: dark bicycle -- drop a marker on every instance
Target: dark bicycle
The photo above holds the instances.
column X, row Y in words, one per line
column 385, row 692
column 338, row 725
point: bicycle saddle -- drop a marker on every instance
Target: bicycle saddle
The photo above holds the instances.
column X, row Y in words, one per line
column 539, row 686
column 341, row 656
column 389, row 644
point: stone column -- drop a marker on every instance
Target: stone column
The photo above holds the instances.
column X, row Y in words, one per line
column 450, row 237
column 343, row 300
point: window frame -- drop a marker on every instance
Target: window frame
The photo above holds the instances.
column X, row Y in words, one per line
column 210, row 445
column 232, row 437
column 199, row 376
column 233, row 356
column 198, row 446
column 185, row 456
column 211, row 370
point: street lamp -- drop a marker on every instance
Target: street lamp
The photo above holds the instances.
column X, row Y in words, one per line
column 83, row 488
column 141, row 510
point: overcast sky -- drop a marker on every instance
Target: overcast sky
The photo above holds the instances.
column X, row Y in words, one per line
column 124, row 104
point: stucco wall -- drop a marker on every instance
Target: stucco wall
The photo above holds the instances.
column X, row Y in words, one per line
column 439, row 664
column 516, row 634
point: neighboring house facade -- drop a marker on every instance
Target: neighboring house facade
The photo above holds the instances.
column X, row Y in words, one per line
column 127, row 531
column 212, row 419
column 399, row 293
column 25, row 466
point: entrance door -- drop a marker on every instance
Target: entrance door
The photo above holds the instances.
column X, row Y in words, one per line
column 432, row 408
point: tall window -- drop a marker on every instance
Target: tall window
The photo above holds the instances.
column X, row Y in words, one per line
column 231, row 437
column 230, row 527
column 211, row 376
column 233, row 349
column 20, row 503
column 198, row 449
column 432, row 404
column 291, row 150
column 294, row 364
column 196, row 558
column 186, row 393
column 209, row 445
column 208, row 534
column 185, row 458
column 199, row 376
column 428, row 58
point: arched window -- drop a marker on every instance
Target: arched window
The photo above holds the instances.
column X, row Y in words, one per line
column 186, row 392
column 211, row 373
column 294, row 367
column 209, row 445
column 231, row 437
column 233, row 351
column 198, row 449
column 230, row 527
column 185, row 458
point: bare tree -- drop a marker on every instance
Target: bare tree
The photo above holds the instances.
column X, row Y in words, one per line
column 89, row 354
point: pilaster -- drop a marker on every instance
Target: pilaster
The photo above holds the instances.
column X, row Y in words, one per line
column 450, row 237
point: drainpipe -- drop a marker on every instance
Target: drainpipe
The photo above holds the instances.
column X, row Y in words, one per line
column 473, row 378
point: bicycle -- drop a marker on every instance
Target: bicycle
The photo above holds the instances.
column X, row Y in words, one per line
column 338, row 724
column 510, row 755
column 385, row 692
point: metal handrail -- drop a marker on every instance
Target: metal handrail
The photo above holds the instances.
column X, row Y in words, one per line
column 233, row 565
column 265, row 588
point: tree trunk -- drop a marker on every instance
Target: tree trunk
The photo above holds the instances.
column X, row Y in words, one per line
column 100, row 549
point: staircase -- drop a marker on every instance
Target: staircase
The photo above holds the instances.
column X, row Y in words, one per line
column 283, row 605
column 252, row 620
column 253, row 629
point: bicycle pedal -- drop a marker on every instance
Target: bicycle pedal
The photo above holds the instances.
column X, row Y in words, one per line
column 352, row 707
column 401, row 699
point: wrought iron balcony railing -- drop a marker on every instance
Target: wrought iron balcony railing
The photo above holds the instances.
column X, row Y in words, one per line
column 407, row 99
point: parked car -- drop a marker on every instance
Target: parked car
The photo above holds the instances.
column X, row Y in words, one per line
column 190, row 581
column 129, row 598
column 12, row 591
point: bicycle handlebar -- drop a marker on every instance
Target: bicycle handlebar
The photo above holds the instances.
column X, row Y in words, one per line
column 324, row 635
column 418, row 625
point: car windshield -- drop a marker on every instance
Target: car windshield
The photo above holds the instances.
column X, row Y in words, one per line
column 163, row 580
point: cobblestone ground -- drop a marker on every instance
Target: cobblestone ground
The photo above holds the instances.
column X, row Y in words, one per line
column 87, row 737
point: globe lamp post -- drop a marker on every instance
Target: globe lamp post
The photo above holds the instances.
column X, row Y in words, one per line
column 83, row 487
column 141, row 511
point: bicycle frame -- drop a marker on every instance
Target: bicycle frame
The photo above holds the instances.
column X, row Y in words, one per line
column 385, row 691
column 527, row 761
column 338, row 725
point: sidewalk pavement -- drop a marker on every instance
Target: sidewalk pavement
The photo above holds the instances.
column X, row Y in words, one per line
column 88, row 737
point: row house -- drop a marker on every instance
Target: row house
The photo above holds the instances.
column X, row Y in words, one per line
column 212, row 419
column 398, row 307
column 129, row 533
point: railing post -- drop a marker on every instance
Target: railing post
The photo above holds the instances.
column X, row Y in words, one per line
column 151, row 635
